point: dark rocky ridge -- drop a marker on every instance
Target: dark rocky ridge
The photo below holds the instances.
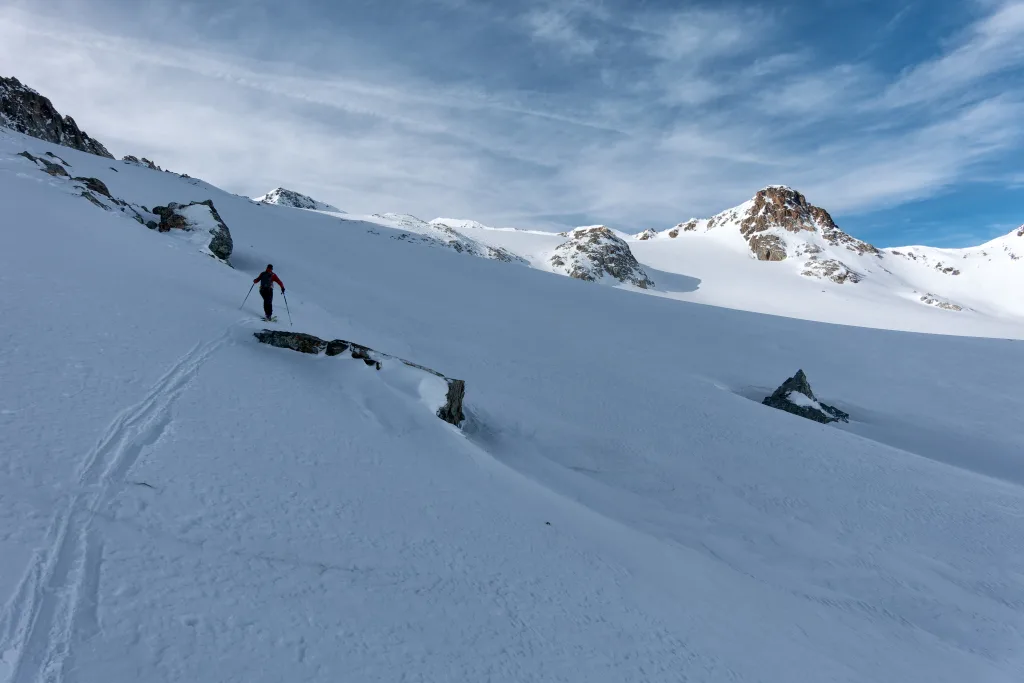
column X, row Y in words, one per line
column 819, row 412
column 26, row 111
column 450, row 412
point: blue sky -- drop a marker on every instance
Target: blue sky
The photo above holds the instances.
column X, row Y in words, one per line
column 903, row 119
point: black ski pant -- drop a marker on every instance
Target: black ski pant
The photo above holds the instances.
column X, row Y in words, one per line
column 268, row 301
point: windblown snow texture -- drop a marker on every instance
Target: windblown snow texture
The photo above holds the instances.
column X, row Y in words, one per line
column 179, row 502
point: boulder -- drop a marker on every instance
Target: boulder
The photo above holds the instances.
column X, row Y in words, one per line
column 95, row 185
column 594, row 252
column 795, row 396
column 197, row 216
column 451, row 412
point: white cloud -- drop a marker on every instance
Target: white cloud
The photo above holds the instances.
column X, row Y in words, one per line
column 992, row 45
column 652, row 143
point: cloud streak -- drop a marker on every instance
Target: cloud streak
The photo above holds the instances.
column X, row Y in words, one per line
column 557, row 113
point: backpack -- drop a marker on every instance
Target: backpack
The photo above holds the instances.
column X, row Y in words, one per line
column 266, row 280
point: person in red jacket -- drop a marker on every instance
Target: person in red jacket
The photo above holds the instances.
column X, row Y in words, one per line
column 267, row 279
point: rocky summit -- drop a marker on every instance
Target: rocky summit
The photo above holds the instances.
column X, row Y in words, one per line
column 24, row 110
column 595, row 252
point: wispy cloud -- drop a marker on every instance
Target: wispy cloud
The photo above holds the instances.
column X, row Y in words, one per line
column 647, row 115
column 554, row 25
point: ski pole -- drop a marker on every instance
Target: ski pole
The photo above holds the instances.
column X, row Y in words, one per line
column 285, row 297
column 247, row 296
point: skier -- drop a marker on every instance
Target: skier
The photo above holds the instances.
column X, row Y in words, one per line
column 267, row 279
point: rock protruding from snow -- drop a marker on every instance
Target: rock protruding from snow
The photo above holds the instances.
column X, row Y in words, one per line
column 647, row 234
column 592, row 253
column 932, row 300
column 795, row 396
column 449, row 410
column 144, row 162
column 831, row 269
column 296, row 200
column 24, row 110
column 199, row 217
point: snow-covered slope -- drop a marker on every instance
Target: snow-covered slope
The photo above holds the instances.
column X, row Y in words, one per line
column 282, row 197
column 180, row 502
column 438, row 233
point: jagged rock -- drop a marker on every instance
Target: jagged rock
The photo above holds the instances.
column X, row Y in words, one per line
column 141, row 162
column 592, row 253
column 795, row 396
column 190, row 218
column 26, row 111
column 451, row 412
column 54, row 156
column 53, row 169
column 283, row 197
column 96, row 185
column 768, row 247
column 831, row 269
column 647, row 234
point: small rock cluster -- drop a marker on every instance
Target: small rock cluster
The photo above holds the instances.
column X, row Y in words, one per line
column 795, row 396
column 831, row 269
column 141, row 162
column 451, row 412
column 592, row 253
column 932, row 300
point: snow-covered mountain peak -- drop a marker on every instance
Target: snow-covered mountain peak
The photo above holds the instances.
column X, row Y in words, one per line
column 24, row 110
column 282, row 197
column 777, row 223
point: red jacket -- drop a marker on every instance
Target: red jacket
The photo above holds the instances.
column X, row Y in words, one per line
column 270, row 283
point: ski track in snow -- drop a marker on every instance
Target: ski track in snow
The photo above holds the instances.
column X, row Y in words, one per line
column 56, row 600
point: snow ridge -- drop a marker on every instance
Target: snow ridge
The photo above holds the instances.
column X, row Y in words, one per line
column 282, row 197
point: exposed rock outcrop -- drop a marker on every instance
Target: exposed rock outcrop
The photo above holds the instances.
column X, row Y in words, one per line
column 767, row 247
column 283, row 197
column 831, row 269
column 647, row 234
column 795, row 396
column 26, row 111
column 451, row 410
column 199, row 217
column 595, row 252
column 53, row 169
column 932, row 300
column 141, row 162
